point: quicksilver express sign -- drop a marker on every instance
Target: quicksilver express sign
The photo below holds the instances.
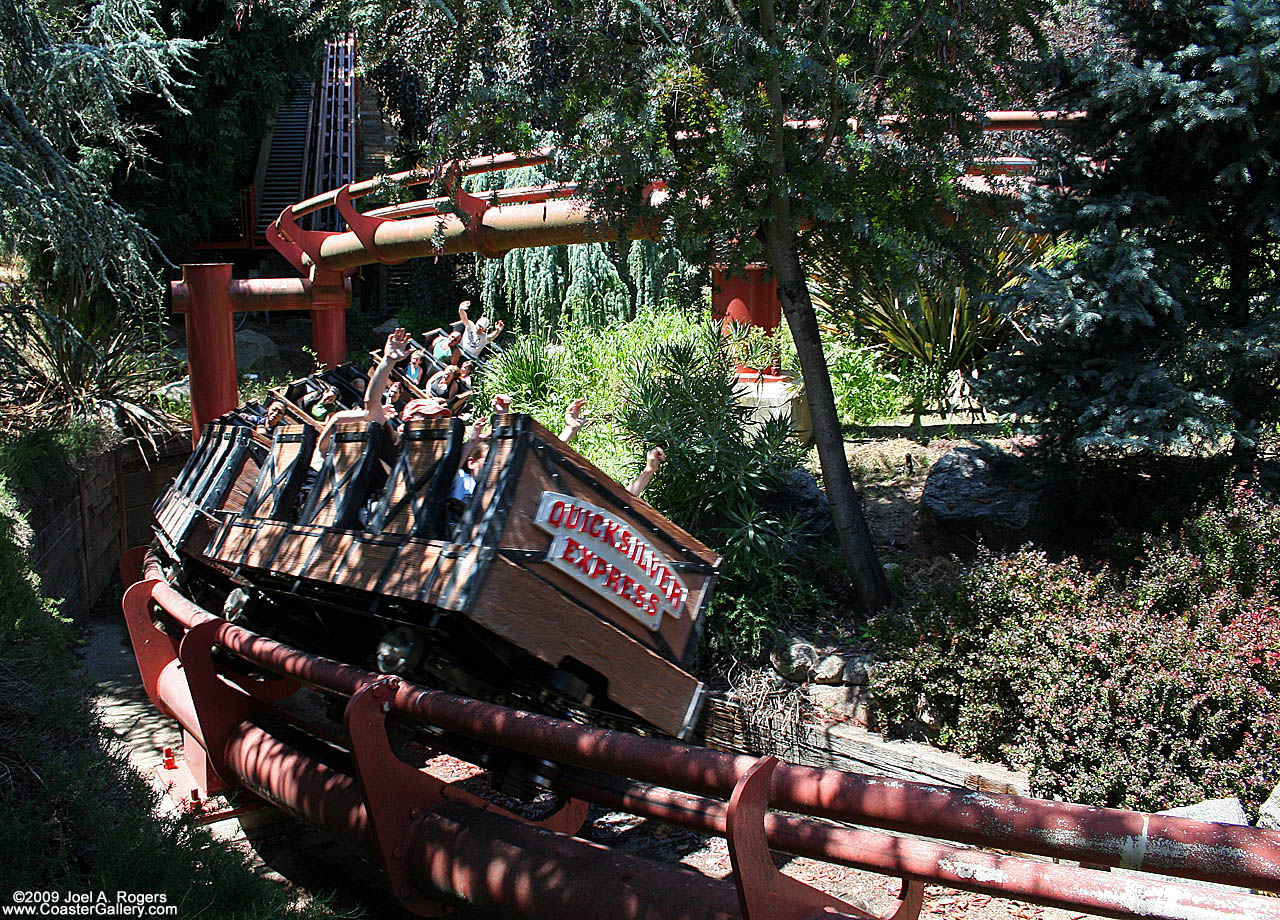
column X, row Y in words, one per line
column 610, row 558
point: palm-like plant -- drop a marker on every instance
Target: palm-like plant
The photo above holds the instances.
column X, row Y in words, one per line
column 52, row 371
column 938, row 327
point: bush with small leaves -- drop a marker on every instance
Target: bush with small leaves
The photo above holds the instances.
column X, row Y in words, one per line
column 1146, row 688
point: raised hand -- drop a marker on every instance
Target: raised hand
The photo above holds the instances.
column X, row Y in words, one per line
column 573, row 414
column 397, row 347
column 654, row 458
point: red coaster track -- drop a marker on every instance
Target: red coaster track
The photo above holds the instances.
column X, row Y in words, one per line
column 441, row 845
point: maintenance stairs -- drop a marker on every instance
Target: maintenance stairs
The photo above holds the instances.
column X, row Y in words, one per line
column 282, row 182
column 313, row 144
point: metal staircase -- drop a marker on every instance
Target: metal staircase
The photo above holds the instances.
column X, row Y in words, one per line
column 282, row 181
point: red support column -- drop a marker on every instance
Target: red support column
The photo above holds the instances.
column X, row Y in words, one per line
column 211, row 340
column 330, row 297
column 749, row 299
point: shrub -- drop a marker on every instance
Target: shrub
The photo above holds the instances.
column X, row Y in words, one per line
column 1146, row 688
column 54, row 372
column 939, row 327
column 865, row 391
column 720, row 474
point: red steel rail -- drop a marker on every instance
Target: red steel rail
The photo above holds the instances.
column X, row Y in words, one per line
column 493, row 223
column 438, row 843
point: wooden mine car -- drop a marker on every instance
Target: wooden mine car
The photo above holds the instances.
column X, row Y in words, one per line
column 552, row 588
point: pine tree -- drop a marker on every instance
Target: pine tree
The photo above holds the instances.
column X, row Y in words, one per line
column 67, row 74
column 762, row 117
column 1162, row 330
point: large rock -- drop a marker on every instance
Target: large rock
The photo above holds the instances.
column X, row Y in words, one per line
column 973, row 493
column 385, row 329
column 858, row 671
column 829, row 670
column 1269, row 814
column 793, row 658
column 1221, row 811
column 800, row 495
column 254, row 350
column 842, row 703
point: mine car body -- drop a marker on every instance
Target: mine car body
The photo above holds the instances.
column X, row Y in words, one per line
column 551, row 588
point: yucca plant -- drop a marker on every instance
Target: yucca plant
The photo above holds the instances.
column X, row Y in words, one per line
column 528, row 370
column 937, row 328
column 53, row 372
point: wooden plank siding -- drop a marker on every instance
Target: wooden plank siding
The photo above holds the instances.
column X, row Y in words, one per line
column 80, row 531
column 493, row 571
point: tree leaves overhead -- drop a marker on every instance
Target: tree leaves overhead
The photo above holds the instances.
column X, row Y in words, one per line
column 66, row 74
column 633, row 92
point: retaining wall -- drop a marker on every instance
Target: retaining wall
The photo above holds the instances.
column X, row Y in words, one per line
column 80, row 531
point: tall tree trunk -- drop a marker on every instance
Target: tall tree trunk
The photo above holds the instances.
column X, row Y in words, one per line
column 846, row 503
column 793, row 290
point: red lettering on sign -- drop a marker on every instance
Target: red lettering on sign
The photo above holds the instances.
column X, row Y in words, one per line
column 652, row 609
column 571, row 519
column 596, row 521
column 610, row 530
column 570, row 547
column 556, row 517
column 584, row 561
column 624, row 542
column 612, row 580
column 599, row 567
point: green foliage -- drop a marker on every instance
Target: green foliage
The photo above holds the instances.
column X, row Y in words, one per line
column 591, row 284
column 720, row 473
column 937, row 328
column 49, row 456
column 1141, row 688
column 1162, row 331
column 865, row 391
column 245, row 61
column 53, row 372
column 528, row 371
column 748, row 120
column 68, row 73
column 76, row 816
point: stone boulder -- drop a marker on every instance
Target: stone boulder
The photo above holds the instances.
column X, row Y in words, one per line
column 793, row 658
column 801, row 496
column 254, row 351
column 842, row 703
column 976, row 494
column 1220, row 811
column 380, row 332
column 1269, row 814
column 829, row 670
column 858, row 671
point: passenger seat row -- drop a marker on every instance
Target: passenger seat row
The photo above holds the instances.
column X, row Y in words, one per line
column 352, row 489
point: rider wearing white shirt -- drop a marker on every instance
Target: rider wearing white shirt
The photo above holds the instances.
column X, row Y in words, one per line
column 475, row 335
